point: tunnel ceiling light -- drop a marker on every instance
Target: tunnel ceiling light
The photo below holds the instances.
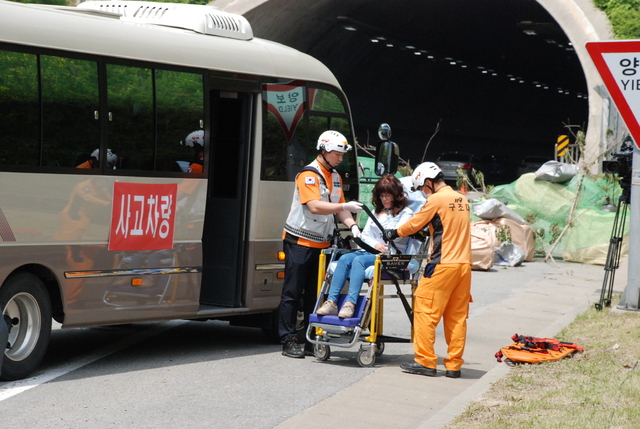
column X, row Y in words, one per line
column 417, row 53
column 453, row 63
column 350, row 28
column 485, row 72
column 389, row 45
column 529, row 32
column 410, row 47
column 374, row 40
column 430, row 57
column 380, row 38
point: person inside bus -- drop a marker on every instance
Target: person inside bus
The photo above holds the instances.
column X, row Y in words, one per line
column 317, row 197
column 391, row 209
column 92, row 162
column 195, row 143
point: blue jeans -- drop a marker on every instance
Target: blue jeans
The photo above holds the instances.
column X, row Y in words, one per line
column 353, row 266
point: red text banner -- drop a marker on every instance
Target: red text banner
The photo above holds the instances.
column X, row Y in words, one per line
column 143, row 216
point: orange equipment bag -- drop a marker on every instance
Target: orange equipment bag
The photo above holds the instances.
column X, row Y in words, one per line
column 534, row 350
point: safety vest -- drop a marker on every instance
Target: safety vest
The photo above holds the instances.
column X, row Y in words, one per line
column 301, row 222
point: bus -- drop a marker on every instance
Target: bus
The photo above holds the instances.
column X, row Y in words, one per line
column 142, row 236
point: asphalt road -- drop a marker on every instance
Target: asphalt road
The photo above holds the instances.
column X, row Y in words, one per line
column 184, row 374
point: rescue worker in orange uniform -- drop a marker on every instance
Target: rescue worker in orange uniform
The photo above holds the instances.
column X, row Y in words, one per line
column 444, row 291
column 92, row 162
column 317, row 197
column 195, row 142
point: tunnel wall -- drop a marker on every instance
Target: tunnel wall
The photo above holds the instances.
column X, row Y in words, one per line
column 582, row 22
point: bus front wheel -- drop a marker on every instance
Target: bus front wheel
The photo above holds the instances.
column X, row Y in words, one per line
column 26, row 308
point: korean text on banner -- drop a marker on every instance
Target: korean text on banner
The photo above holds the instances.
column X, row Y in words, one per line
column 143, row 216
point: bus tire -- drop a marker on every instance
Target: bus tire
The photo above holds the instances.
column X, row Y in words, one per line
column 25, row 302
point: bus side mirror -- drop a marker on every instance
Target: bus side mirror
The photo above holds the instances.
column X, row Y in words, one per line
column 387, row 155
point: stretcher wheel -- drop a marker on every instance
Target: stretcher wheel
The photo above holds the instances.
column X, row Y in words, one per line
column 379, row 348
column 366, row 357
column 321, row 352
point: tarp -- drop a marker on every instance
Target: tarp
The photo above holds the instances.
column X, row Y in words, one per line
column 546, row 207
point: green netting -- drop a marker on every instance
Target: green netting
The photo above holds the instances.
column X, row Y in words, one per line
column 546, row 207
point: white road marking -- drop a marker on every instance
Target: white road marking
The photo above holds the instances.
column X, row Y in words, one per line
column 16, row 387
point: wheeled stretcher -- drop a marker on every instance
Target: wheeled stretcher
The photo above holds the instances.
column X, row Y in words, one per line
column 366, row 326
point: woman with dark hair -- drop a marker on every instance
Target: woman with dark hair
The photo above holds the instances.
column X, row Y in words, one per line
column 390, row 208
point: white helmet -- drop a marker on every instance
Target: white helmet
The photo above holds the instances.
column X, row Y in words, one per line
column 112, row 158
column 333, row 140
column 194, row 138
column 426, row 170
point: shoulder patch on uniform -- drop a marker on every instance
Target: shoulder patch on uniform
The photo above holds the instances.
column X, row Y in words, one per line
column 309, row 180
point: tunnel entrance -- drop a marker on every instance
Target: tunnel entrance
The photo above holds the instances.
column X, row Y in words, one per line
column 491, row 76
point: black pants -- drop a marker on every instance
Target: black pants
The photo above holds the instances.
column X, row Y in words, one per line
column 300, row 276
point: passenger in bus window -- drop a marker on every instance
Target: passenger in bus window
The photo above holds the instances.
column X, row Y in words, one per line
column 195, row 142
column 317, row 197
column 92, row 162
column 391, row 210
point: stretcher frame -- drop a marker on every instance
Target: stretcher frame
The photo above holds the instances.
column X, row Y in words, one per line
column 367, row 325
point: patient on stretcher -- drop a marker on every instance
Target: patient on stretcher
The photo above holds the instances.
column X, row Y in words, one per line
column 391, row 210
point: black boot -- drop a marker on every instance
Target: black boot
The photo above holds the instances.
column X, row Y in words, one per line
column 291, row 348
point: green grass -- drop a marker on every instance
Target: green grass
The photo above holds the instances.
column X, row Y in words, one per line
column 599, row 388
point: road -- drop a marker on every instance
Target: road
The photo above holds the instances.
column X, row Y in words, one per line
column 183, row 374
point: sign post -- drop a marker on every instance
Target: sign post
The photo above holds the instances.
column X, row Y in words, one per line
column 618, row 63
column 561, row 146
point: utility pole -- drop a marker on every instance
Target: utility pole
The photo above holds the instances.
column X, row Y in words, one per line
column 630, row 299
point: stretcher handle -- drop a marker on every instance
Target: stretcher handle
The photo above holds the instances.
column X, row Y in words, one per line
column 379, row 225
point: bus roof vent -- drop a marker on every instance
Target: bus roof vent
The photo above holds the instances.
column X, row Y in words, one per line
column 202, row 19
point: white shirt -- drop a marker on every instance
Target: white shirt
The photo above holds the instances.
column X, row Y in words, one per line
column 372, row 235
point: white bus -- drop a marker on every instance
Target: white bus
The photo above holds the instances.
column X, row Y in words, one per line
column 139, row 238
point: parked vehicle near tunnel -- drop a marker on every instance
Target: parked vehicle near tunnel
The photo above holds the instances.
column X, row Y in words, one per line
column 140, row 239
column 451, row 162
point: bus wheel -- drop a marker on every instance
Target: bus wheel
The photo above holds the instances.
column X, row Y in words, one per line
column 26, row 306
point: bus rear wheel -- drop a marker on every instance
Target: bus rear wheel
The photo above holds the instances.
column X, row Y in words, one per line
column 26, row 306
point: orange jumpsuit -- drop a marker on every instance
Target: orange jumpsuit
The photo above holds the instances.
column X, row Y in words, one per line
column 444, row 291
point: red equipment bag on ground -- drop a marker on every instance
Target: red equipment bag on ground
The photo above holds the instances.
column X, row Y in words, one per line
column 534, row 350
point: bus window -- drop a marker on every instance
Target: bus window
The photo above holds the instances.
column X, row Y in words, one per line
column 326, row 101
column 20, row 137
column 131, row 132
column 287, row 148
column 274, row 152
column 180, row 110
column 70, row 100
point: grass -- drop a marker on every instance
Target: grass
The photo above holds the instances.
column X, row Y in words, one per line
column 599, row 388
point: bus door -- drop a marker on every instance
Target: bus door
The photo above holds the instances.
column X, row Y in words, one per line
column 224, row 234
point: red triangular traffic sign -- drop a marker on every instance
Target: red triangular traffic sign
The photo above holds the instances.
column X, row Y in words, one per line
column 618, row 63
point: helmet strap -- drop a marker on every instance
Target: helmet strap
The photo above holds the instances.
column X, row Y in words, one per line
column 431, row 187
column 331, row 167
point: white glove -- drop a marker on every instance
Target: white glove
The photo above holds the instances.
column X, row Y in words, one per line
column 352, row 206
column 355, row 231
